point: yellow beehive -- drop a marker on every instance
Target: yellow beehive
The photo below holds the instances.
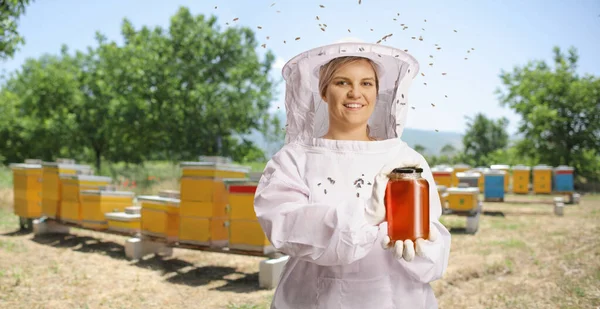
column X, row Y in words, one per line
column 443, row 193
column 245, row 233
column 442, row 175
column 213, row 170
column 27, row 191
column 52, row 185
column 124, row 222
column 72, row 185
column 248, row 235
column 463, row 199
column 160, row 217
column 521, row 176
column 542, row 179
column 506, row 169
column 203, row 214
column 203, row 181
column 96, row 203
column 458, row 168
column 240, row 199
column 203, row 231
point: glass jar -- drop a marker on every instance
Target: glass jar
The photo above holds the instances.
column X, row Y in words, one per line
column 407, row 205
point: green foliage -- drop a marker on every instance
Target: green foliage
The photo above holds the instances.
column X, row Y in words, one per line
column 10, row 11
column 560, row 112
column 448, row 150
column 166, row 94
column 484, row 136
column 420, row 149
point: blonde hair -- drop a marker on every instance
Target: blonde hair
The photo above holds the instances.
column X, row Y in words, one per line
column 327, row 71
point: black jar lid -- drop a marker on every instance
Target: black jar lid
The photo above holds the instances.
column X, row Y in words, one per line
column 407, row 170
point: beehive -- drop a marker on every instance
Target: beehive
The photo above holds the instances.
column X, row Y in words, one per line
column 506, row 169
column 123, row 222
column 72, row 185
column 458, row 168
column 204, row 200
column 443, row 193
column 213, row 170
column 160, row 217
column 52, row 185
column 442, row 175
column 494, row 185
column 245, row 233
column 542, row 179
column 463, row 199
column 469, row 179
column 563, row 179
column 481, row 182
column 169, row 193
column 96, row 203
column 27, row 190
column 521, row 178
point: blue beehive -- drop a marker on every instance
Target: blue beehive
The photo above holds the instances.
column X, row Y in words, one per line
column 563, row 179
column 494, row 184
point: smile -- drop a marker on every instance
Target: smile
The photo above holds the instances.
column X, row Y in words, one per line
column 353, row 106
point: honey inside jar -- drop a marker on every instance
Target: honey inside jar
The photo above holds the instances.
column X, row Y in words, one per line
column 407, row 205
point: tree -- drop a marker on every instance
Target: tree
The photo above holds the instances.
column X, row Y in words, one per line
column 10, row 11
column 208, row 84
column 37, row 102
column 560, row 112
column 448, row 150
column 483, row 137
column 420, row 148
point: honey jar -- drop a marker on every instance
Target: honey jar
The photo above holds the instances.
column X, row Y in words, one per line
column 407, row 205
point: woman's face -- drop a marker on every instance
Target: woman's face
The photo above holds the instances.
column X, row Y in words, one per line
column 351, row 94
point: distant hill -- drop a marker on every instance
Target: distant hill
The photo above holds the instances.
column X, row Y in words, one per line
column 431, row 140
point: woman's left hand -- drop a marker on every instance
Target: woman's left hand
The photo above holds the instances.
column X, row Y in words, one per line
column 406, row 249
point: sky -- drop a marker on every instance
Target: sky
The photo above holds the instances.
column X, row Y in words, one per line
column 499, row 35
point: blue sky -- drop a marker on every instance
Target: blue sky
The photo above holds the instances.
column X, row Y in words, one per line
column 503, row 33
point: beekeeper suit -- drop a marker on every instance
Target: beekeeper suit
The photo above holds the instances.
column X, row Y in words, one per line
column 320, row 201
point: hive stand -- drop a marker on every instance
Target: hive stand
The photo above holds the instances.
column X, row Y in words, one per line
column 269, row 272
column 26, row 224
column 43, row 226
column 473, row 222
column 559, row 206
column 572, row 197
column 138, row 247
column 472, row 216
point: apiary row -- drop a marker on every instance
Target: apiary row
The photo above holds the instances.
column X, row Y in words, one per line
column 460, row 186
column 519, row 179
column 214, row 206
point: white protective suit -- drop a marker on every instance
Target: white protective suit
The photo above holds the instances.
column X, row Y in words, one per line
column 310, row 200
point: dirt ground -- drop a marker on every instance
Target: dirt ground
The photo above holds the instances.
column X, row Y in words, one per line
column 523, row 256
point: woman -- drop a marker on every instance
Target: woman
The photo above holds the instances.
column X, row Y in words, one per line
column 320, row 199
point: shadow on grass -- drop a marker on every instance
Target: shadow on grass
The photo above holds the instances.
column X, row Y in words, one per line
column 175, row 270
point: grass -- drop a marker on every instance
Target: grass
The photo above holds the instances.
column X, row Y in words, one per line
column 6, row 178
column 7, row 219
column 244, row 306
column 509, row 244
